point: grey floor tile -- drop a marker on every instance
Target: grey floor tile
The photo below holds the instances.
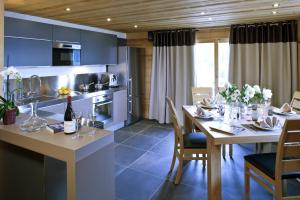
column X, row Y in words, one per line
column 153, row 163
column 121, row 136
column 142, row 142
column 157, row 132
column 118, row 169
column 133, row 185
column 165, row 147
column 171, row 191
column 125, row 155
column 136, row 128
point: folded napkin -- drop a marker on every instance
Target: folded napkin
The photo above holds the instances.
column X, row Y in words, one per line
column 286, row 108
column 201, row 112
column 269, row 122
column 207, row 102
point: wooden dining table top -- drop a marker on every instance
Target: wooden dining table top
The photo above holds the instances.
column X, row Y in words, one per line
column 248, row 135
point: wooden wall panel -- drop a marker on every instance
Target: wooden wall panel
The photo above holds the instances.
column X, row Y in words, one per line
column 298, row 54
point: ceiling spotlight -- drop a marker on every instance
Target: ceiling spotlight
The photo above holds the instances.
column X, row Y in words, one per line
column 135, row 26
column 210, row 19
column 276, row 5
column 68, row 9
column 274, row 12
column 108, row 19
column 202, row 13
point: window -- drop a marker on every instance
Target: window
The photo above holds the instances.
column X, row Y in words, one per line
column 211, row 64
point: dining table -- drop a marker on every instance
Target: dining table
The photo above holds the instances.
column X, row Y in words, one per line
column 215, row 139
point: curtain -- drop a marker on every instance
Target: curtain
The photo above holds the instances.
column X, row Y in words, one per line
column 172, row 71
column 265, row 54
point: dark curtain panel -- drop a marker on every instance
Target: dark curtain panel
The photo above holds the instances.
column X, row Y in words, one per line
column 264, row 32
column 178, row 37
column 172, row 71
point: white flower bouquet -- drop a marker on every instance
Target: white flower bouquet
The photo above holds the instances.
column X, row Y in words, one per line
column 231, row 93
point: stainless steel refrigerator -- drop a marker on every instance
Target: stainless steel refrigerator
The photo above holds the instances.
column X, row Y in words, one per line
column 131, row 61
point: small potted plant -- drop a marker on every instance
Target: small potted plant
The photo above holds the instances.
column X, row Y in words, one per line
column 8, row 108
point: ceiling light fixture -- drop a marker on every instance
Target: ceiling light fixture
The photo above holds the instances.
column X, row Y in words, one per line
column 274, row 12
column 210, row 19
column 202, row 13
column 68, row 9
column 108, row 19
column 276, row 5
column 135, row 26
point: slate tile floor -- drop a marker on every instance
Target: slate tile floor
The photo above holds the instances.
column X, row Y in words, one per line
column 143, row 153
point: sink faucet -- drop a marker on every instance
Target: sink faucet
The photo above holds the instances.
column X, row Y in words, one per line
column 32, row 91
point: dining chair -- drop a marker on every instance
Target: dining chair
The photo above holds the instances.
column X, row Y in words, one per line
column 273, row 168
column 295, row 103
column 185, row 144
column 198, row 94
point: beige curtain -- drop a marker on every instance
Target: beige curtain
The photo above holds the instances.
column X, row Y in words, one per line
column 265, row 54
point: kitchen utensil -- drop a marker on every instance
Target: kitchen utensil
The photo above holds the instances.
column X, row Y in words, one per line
column 85, row 87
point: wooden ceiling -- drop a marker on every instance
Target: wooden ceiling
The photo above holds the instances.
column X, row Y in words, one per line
column 157, row 14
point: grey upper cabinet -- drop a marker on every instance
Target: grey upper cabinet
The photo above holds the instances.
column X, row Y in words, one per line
column 65, row 34
column 27, row 29
column 27, row 52
column 98, row 48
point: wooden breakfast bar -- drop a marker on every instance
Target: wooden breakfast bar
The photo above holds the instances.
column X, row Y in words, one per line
column 214, row 142
column 62, row 167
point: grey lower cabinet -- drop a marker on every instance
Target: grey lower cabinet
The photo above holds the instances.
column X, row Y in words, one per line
column 57, row 108
column 98, row 48
column 27, row 52
column 119, row 106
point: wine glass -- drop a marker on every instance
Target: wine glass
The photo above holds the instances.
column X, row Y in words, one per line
column 92, row 119
column 78, row 116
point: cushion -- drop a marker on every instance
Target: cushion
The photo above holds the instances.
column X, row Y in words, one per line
column 194, row 140
column 265, row 162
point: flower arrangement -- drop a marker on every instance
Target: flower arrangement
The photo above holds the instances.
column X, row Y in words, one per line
column 247, row 95
column 8, row 105
column 231, row 93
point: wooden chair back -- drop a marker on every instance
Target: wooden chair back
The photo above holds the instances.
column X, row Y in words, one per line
column 199, row 93
column 295, row 104
column 288, row 152
column 178, row 129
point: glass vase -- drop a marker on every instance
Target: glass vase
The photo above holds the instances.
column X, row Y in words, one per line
column 34, row 122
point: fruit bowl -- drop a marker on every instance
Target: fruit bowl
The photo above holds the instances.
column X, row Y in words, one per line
column 64, row 91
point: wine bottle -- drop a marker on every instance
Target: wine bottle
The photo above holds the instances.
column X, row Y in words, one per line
column 69, row 118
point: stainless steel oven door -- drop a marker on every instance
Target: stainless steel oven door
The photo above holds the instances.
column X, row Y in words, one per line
column 103, row 111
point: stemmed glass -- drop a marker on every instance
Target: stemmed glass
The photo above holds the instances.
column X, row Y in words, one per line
column 92, row 118
column 78, row 116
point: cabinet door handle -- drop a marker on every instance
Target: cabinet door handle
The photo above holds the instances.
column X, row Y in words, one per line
column 130, row 87
column 130, row 107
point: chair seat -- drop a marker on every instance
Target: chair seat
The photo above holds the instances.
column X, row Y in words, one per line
column 195, row 140
column 265, row 162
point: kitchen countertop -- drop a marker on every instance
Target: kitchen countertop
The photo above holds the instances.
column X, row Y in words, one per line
column 59, row 145
column 62, row 98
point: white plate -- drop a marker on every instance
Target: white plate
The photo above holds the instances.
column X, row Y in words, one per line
column 266, row 129
column 279, row 112
column 204, row 117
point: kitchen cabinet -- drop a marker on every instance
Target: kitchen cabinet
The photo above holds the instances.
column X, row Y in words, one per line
column 119, row 106
column 84, row 105
column 57, row 108
column 66, row 34
column 27, row 52
column 98, row 48
column 27, row 29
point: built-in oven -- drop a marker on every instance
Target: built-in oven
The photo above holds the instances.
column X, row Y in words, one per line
column 65, row 54
column 103, row 109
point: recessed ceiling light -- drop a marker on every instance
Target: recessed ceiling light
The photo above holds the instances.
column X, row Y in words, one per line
column 274, row 12
column 210, row 19
column 276, row 5
column 68, row 9
column 135, row 26
column 202, row 13
column 108, row 19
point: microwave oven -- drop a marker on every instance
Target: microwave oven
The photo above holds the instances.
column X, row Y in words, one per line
column 65, row 54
